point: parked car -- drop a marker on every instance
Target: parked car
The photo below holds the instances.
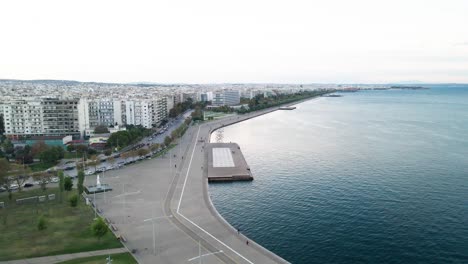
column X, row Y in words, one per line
column 14, row 186
column 54, row 180
column 89, row 173
column 2, row 189
column 28, row 185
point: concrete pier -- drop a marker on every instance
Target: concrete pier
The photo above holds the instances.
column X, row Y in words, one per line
column 225, row 162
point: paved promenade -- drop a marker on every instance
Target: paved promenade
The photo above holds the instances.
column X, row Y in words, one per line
column 162, row 207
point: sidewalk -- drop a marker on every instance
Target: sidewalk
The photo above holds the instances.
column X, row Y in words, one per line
column 60, row 258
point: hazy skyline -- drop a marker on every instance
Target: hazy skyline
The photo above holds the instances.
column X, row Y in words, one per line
column 235, row 41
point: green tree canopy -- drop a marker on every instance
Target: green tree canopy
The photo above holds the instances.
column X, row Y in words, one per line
column 101, row 129
column 99, row 228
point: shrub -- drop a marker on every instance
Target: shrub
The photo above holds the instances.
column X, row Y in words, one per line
column 73, row 200
column 41, row 223
column 68, row 184
column 99, row 228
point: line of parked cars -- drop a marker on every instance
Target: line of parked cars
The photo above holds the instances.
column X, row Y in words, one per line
column 15, row 186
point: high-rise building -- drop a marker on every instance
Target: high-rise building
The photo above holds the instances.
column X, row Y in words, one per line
column 41, row 117
column 227, row 97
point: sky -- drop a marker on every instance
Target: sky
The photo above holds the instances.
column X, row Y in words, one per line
column 237, row 41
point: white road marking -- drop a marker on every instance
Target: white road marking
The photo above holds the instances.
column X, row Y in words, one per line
column 222, row 243
column 125, row 194
column 182, row 195
column 149, row 219
column 188, row 169
column 204, row 255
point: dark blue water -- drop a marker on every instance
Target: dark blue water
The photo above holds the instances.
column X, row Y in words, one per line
column 371, row 177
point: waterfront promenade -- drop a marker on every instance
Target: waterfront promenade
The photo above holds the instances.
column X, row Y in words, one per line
column 163, row 210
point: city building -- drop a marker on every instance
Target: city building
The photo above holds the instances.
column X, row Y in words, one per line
column 226, row 97
column 40, row 117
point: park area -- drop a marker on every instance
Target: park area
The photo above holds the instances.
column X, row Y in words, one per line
column 64, row 229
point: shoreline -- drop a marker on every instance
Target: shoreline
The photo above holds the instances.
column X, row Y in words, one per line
column 207, row 196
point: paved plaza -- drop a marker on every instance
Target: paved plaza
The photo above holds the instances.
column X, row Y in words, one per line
column 162, row 208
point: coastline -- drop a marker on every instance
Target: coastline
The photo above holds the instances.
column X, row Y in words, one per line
column 207, row 196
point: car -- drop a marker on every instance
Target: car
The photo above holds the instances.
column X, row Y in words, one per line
column 89, row 173
column 28, row 185
column 54, row 180
column 14, row 186
column 2, row 189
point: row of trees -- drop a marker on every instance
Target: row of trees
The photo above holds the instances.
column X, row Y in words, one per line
column 127, row 137
column 261, row 102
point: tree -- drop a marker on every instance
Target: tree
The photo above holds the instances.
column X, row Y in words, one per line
column 125, row 156
column 43, row 178
column 68, row 184
column 142, row 152
column 167, row 141
column 5, row 180
column 71, row 148
column 2, row 126
column 133, row 154
column 61, row 183
column 8, row 147
column 154, row 147
column 38, row 147
column 99, row 228
column 111, row 160
column 20, row 176
column 101, row 129
column 94, row 161
column 73, row 200
column 174, row 134
column 23, row 155
column 187, row 121
column 52, row 154
column 81, row 177
column 81, row 149
column 41, row 223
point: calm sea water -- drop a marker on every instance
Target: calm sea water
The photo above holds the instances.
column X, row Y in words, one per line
column 371, row 177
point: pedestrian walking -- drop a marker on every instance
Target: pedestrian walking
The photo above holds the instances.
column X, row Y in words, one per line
column 247, row 242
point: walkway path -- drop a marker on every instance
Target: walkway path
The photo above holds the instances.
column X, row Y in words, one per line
column 61, row 258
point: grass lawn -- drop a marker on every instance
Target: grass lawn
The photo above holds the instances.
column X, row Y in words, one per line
column 122, row 258
column 41, row 166
column 71, row 155
column 68, row 229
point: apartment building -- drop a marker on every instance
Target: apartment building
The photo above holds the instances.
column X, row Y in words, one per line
column 227, row 97
column 40, row 117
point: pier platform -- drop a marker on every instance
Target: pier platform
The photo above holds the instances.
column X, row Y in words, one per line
column 225, row 162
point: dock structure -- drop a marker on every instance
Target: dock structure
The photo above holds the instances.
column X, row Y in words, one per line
column 225, row 162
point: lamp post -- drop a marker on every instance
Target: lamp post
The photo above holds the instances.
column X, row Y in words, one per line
column 153, row 220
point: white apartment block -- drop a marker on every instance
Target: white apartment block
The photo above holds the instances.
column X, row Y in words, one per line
column 227, row 97
column 145, row 112
column 40, row 117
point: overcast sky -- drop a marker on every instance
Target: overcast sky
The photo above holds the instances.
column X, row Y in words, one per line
column 209, row 41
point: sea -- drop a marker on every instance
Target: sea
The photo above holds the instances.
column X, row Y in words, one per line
column 369, row 177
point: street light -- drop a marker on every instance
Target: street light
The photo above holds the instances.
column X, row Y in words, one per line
column 154, row 233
